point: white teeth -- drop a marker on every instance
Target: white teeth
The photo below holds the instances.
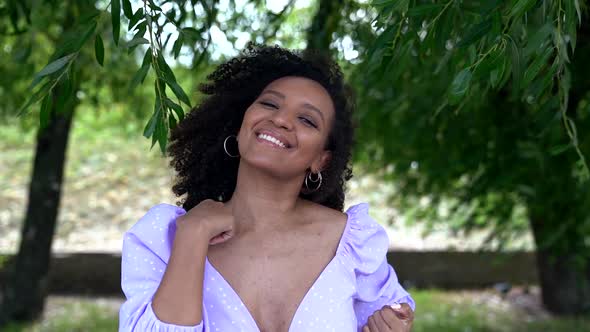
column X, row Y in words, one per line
column 272, row 139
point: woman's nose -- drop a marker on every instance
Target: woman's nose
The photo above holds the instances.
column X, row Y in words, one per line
column 282, row 118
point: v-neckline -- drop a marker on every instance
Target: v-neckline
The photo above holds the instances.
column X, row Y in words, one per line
column 243, row 305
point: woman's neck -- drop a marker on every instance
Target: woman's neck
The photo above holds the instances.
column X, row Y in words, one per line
column 261, row 200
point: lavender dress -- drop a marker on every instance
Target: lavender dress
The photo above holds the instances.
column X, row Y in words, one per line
column 357, row 281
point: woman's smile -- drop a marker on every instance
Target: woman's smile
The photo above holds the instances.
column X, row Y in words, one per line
column 269, row 140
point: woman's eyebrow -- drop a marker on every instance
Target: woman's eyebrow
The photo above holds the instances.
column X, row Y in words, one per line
column 276, row 93
column 315, row 109
column 306, row 105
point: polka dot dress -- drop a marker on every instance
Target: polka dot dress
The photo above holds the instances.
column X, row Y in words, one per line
column 355, row 283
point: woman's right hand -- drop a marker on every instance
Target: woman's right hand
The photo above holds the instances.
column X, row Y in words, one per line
column 209, row 218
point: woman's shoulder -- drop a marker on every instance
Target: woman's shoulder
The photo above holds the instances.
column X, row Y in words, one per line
column 157, row 220
column 365, row 241
column 153, row 233
column 354, row 217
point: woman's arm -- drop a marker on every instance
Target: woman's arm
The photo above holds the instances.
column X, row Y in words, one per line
column 179, row 298
column 146, row 252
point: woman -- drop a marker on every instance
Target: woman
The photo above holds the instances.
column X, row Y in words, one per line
column 260, row 243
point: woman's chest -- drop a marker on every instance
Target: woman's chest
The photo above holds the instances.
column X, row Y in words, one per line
column 325, row 305
column 282, row 287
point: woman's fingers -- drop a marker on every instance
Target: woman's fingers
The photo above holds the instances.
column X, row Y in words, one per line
column 391, row 318
column 383, row 320
column 373, row 324
column 403, row 311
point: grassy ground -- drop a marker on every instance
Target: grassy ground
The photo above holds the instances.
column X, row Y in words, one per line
column 437, row 311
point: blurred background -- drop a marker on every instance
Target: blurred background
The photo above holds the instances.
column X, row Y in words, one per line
column 472, row 145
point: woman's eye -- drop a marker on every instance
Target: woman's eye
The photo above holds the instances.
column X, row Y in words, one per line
column 267, row 104
column 309, row 122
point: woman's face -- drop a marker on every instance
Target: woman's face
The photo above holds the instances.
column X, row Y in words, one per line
column 286, row 129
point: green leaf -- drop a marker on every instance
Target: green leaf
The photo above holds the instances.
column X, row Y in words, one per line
column 153, row 6
column 538, row 63
column 139, row 77
column 38, row 95
column 562, row 47
column 158, row 112
column 516, row 64
column 192, row 34
column 497, row 23
column 138, row 38
column 497, row 74
column 442, row 63
column 45, row 113
column 162, row 135
column 141, row 73
column 578, row 10
column 137, row 41
column 99, row 49
column 424, row 10
column 116, row 19
column 520, row 7
column 570, row 24
column 88, row 16
column 401, row 5
column 559, row 149
column 166, row 71
column 489, row 6
column 536, row 41
column 55, row 65
column 478, row 31
column 171, row 121
column 178, row 91
column 385, row 37
column 489, row 63
column 177, row 46
column 141, row 29
column 459, row 86
column 135, row 19
column 442, row 31
column 381, row 2
column 81, row 39
column 127, row 9
column 175, row 107
column 66, row 90
column 74, row 39
column 150, row 127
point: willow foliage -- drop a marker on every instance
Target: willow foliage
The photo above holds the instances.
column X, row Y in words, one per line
column 483, row 105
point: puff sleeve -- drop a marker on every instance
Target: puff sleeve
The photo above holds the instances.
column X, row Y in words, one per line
column 146, row 250
column 377, row 284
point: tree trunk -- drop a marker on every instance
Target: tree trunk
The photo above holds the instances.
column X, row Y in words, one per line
column 24, row 295
column 564, row 274
column 325, row 22
column 561, row 206
column 565, row 287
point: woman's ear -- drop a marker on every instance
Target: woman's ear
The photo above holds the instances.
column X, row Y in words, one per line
column 323, row 161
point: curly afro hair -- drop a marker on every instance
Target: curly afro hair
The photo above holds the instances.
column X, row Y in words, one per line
column 204, row 171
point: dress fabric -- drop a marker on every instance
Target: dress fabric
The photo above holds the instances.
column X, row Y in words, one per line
column 355, row 283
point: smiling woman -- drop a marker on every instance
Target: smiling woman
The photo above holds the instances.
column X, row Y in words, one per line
column 207, row 172
column 260, row 242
